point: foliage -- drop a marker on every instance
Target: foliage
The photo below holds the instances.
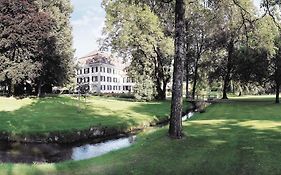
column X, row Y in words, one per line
column 35, row 44
column 135, row 32
column 23, row 34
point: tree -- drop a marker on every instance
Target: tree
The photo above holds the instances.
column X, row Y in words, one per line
column 36, row 44
column 135, row 32
column 175, row 127
column 198, row 30
column 59, row 67
column 234, row 20
column 23, row 34
column 276, row 65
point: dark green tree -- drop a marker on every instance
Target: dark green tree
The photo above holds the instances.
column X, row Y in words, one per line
column 24, row 32
column 35, row 45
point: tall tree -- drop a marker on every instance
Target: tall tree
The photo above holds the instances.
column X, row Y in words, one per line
column 36, row 43
column 58, row 65
column 175, row 127
column 135, row 32
column 272, row 9
column 24, row 32
column 234, row 20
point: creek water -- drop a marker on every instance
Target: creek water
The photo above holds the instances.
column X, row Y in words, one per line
column 187, row 116
column 15, row 152
column 52, row 153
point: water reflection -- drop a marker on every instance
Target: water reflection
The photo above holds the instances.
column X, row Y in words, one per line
column 187, row 116
column 89, row 151
column 51, row 153
column 29, row 153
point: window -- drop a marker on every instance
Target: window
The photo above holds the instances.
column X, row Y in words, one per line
column 80, row 71
column 97, row 69
column 94, row 78
column 119, row 88
column 115, row 80
column 109, row 87
column 102, row 87
column 87, row 79
column 113, row 71
column 102, row 78
column 108, row 70
column 93, row 70
column 101, row 69
column 109, row 79
column 86, row 71
column 127, row 88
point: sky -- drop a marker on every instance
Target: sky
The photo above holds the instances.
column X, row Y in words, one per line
column 88, row 21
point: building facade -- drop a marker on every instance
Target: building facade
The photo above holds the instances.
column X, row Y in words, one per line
column 100, row 72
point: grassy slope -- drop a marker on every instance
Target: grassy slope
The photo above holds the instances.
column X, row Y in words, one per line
column 62, row 114
column 238, row 138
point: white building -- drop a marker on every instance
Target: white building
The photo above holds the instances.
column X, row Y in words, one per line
column 100, row 72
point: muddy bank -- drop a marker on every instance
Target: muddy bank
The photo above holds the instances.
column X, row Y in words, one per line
column 94, row 133
column 15, row 152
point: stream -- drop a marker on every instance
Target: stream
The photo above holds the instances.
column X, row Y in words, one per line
column 52, row 153
column 16, row 152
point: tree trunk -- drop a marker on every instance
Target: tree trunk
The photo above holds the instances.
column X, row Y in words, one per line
column 9, row 84
column 164, row 89
column 187, row 59
column 277, row 90
column 175, row 128
column 159, row 90
column 227, row 78
column 159, row 74
column 39, row 93
column 187, row 85
column 225, row 86
column 195, row 77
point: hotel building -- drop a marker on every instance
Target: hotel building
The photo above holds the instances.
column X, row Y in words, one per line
column 101, row 72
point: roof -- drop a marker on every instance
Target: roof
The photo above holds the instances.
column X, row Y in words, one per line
column 101, row 57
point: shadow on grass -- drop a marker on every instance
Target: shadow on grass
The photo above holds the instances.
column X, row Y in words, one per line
column 66, row 114
column 227, row 139
column 160, row 110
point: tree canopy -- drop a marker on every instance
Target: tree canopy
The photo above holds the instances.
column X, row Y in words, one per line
column 35, row 45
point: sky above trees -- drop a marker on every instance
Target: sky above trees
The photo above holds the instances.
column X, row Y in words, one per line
column 87, row 21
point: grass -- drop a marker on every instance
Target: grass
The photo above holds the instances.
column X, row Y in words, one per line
column 241, row 137
column 63, row 114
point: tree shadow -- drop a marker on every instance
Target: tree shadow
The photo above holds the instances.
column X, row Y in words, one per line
column 160, row 110
column 64, row 114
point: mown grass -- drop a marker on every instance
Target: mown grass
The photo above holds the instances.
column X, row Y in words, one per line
column 241, row 137
column 64, row 114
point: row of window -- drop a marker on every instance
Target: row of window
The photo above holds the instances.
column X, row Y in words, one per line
column 97, row 69
column 103, row 79
column 115, row 88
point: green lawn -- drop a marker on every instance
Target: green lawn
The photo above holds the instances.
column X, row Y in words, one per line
column 238, row 138
column 31, row 116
